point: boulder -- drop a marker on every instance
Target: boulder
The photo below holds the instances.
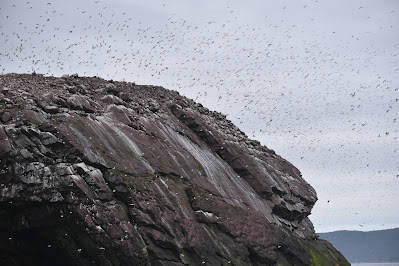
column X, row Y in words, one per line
column 139, row 175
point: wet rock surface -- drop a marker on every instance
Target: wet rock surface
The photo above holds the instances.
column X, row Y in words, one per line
column 113, row 173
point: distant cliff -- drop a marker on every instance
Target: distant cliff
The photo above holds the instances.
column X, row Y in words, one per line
column 373, row 246
column 114, row 173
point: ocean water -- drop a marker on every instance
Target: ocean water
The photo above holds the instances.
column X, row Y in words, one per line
column 376, row 264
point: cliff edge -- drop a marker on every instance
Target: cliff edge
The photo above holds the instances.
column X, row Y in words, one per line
column 115, row 173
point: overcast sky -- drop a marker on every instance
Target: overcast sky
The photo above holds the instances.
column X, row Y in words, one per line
column 317, row 81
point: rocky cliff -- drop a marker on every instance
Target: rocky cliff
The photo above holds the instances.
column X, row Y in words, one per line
column 114, row 173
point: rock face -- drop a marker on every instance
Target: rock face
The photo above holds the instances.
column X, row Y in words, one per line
column 113, row 173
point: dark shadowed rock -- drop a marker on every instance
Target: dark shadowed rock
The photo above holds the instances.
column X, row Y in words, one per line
column 114, row 173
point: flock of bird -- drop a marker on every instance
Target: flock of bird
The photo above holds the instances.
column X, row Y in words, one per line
column 323, row 96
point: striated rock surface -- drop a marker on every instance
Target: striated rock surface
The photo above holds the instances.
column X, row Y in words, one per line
column 113, row 173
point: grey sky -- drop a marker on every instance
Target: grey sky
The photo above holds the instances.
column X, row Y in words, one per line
column 315, row 80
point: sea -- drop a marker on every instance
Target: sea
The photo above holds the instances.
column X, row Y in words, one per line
column 376, row 264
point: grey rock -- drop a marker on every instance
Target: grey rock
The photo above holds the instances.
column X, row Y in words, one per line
column 48, row 138
column 51, row 109
column 111, row 99
column 26, row 154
